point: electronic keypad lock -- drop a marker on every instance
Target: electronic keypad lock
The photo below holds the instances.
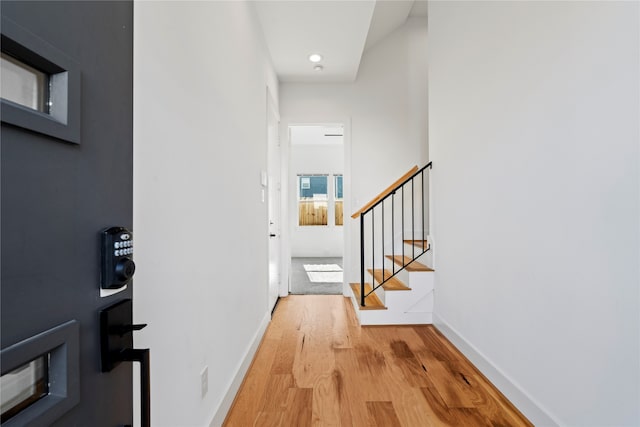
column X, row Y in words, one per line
column 117, row 253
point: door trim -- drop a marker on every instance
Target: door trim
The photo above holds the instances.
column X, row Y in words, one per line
column 287, row 229
column 64, row 121
column 62, row 344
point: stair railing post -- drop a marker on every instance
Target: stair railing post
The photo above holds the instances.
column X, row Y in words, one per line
column 362, row 260
column 373, row 247
column 382, row 227
column 413, row 227
column 402, row 224
column 393, row 234
column 423, row 235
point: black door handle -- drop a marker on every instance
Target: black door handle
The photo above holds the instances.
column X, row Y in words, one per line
column 272, row 235
column 116, row 346
column 142, row 356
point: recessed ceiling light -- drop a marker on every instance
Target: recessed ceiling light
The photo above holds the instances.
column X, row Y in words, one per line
column 315, row 57
column 318, row 67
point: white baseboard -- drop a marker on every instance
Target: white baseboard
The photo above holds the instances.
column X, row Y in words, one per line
column 516, row 395
column 234, row 386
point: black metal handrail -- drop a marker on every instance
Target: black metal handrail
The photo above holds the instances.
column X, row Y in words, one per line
column 381, row 203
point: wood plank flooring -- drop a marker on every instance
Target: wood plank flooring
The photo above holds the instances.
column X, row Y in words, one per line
column 316, row 366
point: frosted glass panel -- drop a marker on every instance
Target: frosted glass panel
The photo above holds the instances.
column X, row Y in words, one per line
column 23, row 386
column 23, row 84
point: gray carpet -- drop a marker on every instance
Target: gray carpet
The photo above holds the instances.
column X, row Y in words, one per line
column 302, row 285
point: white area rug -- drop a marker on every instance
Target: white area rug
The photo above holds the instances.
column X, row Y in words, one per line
column 322, row 267
column 325, row 276
column 301, row 283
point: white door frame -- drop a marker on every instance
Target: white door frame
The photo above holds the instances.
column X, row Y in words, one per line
column 350, row 269
column 274, row 201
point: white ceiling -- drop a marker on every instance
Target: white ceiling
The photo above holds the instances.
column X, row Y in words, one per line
column 339, row 30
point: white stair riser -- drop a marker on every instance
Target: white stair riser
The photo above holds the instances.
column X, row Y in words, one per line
column 384, row 317
column 398, row 241
column 420, row 282
column 403, row 307
column 413, row 279
column 382, row 294
column 424, row 304
column 402, row 275
column 413, row 300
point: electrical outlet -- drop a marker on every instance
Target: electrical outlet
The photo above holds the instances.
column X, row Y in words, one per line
column 204, row 382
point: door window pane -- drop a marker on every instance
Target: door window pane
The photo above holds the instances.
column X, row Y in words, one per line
column 23, row 386
column 23, row 84
column 312, row 200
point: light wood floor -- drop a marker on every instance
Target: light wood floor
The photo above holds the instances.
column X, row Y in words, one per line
column 317, row 366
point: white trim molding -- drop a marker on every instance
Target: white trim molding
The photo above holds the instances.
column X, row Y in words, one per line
column 226, row 402
column 529, row 407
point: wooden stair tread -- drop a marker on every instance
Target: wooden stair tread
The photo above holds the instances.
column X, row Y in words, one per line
column 423, row 244
column 404, row 261
column 393, row 284
column 372, row 302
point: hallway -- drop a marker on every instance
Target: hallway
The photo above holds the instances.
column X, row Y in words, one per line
column 316, row 365
column 531, row 125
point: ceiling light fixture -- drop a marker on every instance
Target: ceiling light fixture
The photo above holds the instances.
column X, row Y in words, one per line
column 315, row 57
column 318, row 67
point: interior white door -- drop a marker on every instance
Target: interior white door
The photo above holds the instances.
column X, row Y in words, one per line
column 273, row 200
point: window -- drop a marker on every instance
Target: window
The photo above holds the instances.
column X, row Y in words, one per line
column 305, row 182
column 320, row 197
column 24, row 386
column 338, row 200
column 23, row 84
column 313, row 200
column 40, row 85
column 39, row 376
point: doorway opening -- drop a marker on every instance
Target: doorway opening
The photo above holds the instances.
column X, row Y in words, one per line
column 316, row 208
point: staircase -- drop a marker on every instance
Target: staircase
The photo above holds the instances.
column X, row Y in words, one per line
column 396, row 283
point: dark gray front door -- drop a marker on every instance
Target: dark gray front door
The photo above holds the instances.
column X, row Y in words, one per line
column 64, row 179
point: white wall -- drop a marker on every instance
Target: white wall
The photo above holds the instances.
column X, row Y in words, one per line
column 201, row 73
column 314, row 154
column 533, row 132
column 385, row 132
